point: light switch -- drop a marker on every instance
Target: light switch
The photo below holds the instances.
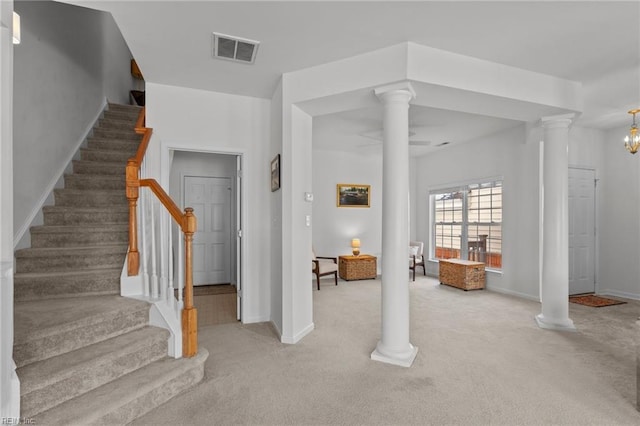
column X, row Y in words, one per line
column 307, row 220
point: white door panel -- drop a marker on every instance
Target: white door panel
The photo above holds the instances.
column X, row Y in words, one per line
column 581, row 231
column 210, row 198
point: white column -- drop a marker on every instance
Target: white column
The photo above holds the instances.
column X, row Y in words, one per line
column 554, row 290
column 394, row 346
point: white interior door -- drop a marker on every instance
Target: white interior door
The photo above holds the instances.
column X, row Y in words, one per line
column 210, row 198
column 582, row 230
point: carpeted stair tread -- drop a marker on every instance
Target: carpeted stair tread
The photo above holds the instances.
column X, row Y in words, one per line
column 67, row 251
column 87, row 181
column 129, row 397
column 113, row 156
column 128, row 109
column 125, row 123
column 78, row 235
column 106, row 144
column 98, row 168
column 45, row 384
column 43, row 259
column 86, row 197
column 55, row 229
column 116, row 133
column 73, row 283
column 120, row 116
column 68, row 215
column 50, row 327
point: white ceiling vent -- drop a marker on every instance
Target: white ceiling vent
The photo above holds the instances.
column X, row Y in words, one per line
column 234, row 48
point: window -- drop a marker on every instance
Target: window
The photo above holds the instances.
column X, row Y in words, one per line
column 467, row 223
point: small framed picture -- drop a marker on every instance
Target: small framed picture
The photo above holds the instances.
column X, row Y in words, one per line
column 353, row 195
column 275, row 173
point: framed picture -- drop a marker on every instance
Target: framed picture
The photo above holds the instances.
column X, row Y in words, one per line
column 353, row 195
column 275, row 173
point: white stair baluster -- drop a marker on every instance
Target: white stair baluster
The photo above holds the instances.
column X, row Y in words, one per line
column 171, row 297
column 163, row 253
column 144, row 201
column 154, row 263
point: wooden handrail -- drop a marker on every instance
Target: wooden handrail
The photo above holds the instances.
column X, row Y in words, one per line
column 188, row 225
column 140, row 127
column 165, row 199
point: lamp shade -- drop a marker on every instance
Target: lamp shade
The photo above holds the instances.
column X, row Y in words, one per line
column 355, row 245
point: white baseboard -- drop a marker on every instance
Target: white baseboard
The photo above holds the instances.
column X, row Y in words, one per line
column 616, row 293
column 292, row 340
column 33, row 215
column 252, row 320
column 514, row 293
column 276, row 329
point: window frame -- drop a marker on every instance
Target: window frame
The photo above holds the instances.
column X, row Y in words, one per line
column 465, row 224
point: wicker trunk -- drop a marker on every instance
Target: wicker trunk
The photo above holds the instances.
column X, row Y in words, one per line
column 463, row 274
column 360, row 267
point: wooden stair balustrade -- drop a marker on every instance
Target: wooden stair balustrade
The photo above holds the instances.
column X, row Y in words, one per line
column 186, row 221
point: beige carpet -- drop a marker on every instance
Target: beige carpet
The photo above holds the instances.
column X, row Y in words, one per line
column 482, row 361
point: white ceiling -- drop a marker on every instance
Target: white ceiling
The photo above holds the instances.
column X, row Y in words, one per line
column 596, row 43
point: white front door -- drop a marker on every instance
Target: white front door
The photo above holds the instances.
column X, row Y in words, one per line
column 582, row 226
column 210, row 198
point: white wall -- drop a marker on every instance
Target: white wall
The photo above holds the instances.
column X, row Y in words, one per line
column 619, row 227
column 334, row 227
column 197, row 120
column 9, row 383
column 70, row 59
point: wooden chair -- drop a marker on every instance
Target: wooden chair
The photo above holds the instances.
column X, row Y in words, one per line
column 324, row 266
column 416, row 257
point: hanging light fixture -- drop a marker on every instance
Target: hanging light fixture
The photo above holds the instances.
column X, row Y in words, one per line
column 632, row 140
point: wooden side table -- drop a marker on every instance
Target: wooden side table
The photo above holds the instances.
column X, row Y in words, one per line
column 361, row 267
column 464, row 274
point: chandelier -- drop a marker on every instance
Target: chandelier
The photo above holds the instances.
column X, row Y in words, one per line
column 632, row 140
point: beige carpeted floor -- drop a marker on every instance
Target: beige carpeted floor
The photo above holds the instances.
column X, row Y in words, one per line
column 482, row 361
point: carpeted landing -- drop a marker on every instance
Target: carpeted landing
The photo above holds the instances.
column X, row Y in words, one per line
column 482, row 360
column 216, row 304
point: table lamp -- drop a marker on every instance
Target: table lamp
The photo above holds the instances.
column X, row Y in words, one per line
column 355, row 245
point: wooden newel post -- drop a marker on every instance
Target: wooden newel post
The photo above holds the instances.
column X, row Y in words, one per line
column 132, row 192
column 189, row 313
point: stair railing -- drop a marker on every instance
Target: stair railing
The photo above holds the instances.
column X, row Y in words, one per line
column 150, row 227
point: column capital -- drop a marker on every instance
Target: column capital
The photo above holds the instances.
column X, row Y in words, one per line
column 556, row 121
column 402, row 86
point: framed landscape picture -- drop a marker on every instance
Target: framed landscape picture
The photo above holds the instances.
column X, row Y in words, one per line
column 353, row 195
column 275, row 173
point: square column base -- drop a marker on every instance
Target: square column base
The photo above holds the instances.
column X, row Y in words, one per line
column 402, row 362
column 564, row 326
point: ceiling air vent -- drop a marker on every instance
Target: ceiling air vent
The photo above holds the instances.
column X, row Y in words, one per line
column 234, row 48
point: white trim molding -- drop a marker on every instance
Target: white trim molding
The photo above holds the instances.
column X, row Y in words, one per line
column 292, row 340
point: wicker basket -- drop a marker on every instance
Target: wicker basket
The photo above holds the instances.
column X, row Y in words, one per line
column 360, row 267
column 463, row 274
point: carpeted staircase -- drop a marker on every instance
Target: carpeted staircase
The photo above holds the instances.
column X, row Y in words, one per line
column 84, row 354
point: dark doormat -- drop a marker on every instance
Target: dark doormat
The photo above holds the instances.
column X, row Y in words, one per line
column 594, row 301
